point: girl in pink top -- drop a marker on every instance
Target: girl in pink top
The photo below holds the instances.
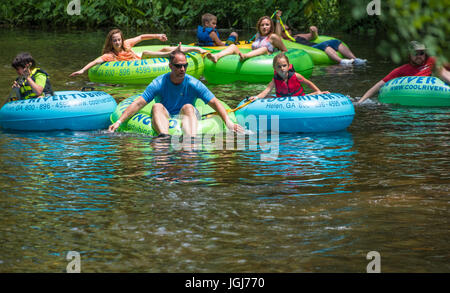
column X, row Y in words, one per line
column 266, row 42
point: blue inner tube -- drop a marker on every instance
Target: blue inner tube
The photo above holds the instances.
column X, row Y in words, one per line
column 311, row 113
column 71, row 110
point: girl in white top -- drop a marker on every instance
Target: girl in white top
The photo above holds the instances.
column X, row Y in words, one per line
column 266, row 42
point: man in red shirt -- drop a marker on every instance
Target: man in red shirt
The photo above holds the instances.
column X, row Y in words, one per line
column 420, row 64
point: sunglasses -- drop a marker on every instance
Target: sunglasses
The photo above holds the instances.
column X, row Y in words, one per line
column 420, row 53
column 178, row 66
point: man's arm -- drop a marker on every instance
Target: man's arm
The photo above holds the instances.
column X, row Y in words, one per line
column 444, row 74
column 373, row 90
column 220, row 109
column 129, row 111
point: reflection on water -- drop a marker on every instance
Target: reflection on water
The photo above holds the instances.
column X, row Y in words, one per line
column 292, row 203
column 61, row 169
column 312, row 164
column 75, row 186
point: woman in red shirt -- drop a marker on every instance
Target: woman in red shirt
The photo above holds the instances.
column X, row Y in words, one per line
column 420, row 64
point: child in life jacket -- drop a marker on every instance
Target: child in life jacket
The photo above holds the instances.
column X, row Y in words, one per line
column 286, row 81
column 208, row 35
column 32, row 82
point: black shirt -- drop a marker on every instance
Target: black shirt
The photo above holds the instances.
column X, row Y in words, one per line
column 304, row 41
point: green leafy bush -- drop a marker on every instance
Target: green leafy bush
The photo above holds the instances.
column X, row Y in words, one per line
column 403, row 21
column 400, row 21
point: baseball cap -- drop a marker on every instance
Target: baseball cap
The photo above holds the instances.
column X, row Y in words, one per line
column 416, row 46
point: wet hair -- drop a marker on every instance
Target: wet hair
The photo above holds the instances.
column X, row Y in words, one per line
column 108, row 46
column 272, row 26
column 207, row 17
column 22, row 60
column 174, row 53
column 278, row 57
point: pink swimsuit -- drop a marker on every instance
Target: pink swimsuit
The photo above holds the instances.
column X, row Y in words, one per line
column 263, row 42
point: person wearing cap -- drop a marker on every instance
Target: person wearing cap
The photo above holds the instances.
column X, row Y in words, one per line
column 420, row 64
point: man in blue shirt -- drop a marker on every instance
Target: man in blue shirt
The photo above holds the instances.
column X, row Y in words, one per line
column 177, row 91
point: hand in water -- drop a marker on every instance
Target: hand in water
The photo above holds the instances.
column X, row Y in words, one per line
column 357, row 101
column 113, row 127
column 79, row 72
column 235, row 127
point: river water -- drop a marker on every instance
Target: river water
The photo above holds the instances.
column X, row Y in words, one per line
column 128, row 203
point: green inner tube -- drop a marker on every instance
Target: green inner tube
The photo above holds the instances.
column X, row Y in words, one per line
column 257, row 69
column 419, row 91
column 141, row 71
column 318, row 57
column 141, row 122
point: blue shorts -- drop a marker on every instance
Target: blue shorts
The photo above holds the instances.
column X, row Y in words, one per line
column 230, row 40
column 330, row 43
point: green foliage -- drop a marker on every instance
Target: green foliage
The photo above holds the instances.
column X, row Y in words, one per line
column 403, row 21
column 162, row 14
column 323, row 14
